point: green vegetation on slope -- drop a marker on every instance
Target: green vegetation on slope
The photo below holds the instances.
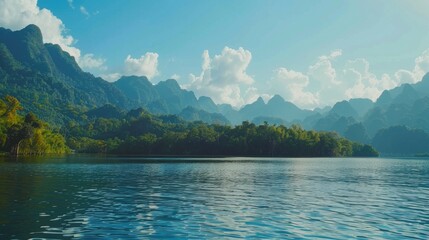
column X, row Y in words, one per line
column 139, row 132
column 26, row 135
column 401, row 140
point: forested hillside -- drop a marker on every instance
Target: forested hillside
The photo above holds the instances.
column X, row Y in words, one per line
column 49, row 83
column 26, row 134
column 139, row 132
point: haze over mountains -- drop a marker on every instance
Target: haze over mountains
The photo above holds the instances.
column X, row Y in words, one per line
column 49, row 82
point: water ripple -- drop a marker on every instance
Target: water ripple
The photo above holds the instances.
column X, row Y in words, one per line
column 233, row 198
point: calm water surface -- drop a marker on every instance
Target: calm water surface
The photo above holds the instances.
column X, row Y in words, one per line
column 91, row 197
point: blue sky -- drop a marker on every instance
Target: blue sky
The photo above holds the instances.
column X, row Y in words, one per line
column 312, row 53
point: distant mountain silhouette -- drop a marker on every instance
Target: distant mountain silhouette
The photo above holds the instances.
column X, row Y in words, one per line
column 344, row 109
column 193, row 114
column 362, row 120
column 208, row 105
column 173, row 98
column 401, row 140
column 252, row 110
column 276, row 109
column 361, row 105
column 406, row 105
column 139, row 90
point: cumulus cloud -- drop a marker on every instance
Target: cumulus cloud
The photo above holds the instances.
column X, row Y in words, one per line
column 230, row 67
column 292, row 86
column 421, row 66
column 17, row 14
column 89, row 61
column 363, row 83
column 320, row 84
column 370, row 86
column 405, row 76
column 324, row 83
column 323, row 72
column 224, row 76
column 252, row 94
column 146, row 65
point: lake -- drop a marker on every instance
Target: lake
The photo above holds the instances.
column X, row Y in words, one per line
column 91, row 197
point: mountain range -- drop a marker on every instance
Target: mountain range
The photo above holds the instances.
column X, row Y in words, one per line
column 49, row 82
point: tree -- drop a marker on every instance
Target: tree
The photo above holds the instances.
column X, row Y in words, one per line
column 10, row 109
column 18, row 133
column 26, row 135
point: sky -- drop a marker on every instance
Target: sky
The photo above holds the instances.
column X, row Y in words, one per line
column 312, row 53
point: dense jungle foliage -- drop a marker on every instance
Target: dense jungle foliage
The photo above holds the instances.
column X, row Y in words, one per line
column 139, row 132
column 26, row 134
column 108, row 130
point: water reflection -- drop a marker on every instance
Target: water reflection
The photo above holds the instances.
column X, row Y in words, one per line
column 108, row 197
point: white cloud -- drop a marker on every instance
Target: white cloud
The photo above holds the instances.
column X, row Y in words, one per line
column 319, row 85
column 323, row 72
column 111, row 77
column 421, row 65
column 361, row 83
column 252, row 94
column 83, row 10
column 89, row 61
column 230, row 67
column 146, row 65
column 17, row 14
column 325, row 84
column 361, row 87
column 405, row 76
column 224, row 76
column 334, row 54
column 175, row 76
column 291, row 85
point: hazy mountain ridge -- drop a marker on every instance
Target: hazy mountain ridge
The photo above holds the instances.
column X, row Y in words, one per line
column 406, row 106
column 49, row 82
